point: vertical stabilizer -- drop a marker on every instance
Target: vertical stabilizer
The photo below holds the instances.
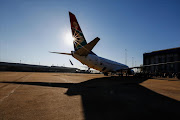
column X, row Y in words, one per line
column 79, row 40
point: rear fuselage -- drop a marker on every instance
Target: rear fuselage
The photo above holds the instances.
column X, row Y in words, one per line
column 99, row 63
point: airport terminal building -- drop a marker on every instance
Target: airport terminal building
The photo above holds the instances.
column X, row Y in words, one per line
column 162, row 61
column 6, row 66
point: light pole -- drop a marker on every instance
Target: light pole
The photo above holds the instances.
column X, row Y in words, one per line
column 132, row 61
column 126, row 56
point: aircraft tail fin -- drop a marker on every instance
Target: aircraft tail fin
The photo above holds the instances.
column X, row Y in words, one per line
column 79, row 39
column 86, row 49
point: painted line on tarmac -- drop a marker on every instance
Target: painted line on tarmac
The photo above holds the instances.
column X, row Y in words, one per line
column 64, row 79
column 12, row 91
column 1, row 87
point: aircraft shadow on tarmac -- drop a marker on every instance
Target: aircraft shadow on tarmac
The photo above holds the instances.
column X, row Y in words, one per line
column 117, row 98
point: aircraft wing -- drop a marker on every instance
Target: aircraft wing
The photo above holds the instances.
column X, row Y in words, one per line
column 130, row 69
column 154, row 64
column 61, row 53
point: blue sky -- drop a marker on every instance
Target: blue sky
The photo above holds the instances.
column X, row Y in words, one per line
column 31, row 28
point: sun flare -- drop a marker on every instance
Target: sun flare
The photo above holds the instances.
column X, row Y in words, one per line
column 68, row 38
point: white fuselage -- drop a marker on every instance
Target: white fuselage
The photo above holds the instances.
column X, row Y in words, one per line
column 99, row 63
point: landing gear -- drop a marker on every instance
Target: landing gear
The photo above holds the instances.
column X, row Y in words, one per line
column 121, row 73
column 105, row 74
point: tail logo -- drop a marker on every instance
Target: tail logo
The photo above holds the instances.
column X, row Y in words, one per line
column 79, row 40
column 75, row 25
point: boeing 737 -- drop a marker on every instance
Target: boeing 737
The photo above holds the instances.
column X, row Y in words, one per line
column 83, row 52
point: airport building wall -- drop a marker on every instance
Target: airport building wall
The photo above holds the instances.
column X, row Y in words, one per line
column 5, row 66
column 162, row 61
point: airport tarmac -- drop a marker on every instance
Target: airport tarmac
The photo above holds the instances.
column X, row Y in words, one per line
column 69, row 96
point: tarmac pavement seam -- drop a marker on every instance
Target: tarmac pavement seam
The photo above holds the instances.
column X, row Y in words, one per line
column 12, row 91
column 69, row 96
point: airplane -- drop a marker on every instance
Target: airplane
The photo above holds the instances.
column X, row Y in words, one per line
column 83, row 52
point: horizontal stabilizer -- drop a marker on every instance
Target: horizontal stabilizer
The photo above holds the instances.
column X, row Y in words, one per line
column 85, row 50
column 62, row 53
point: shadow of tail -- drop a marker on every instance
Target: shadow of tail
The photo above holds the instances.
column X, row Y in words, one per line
column 112, row 98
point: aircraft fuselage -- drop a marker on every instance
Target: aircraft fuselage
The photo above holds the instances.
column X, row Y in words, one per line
column 99, row 63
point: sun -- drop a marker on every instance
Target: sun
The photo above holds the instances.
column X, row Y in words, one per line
column 68, row 38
